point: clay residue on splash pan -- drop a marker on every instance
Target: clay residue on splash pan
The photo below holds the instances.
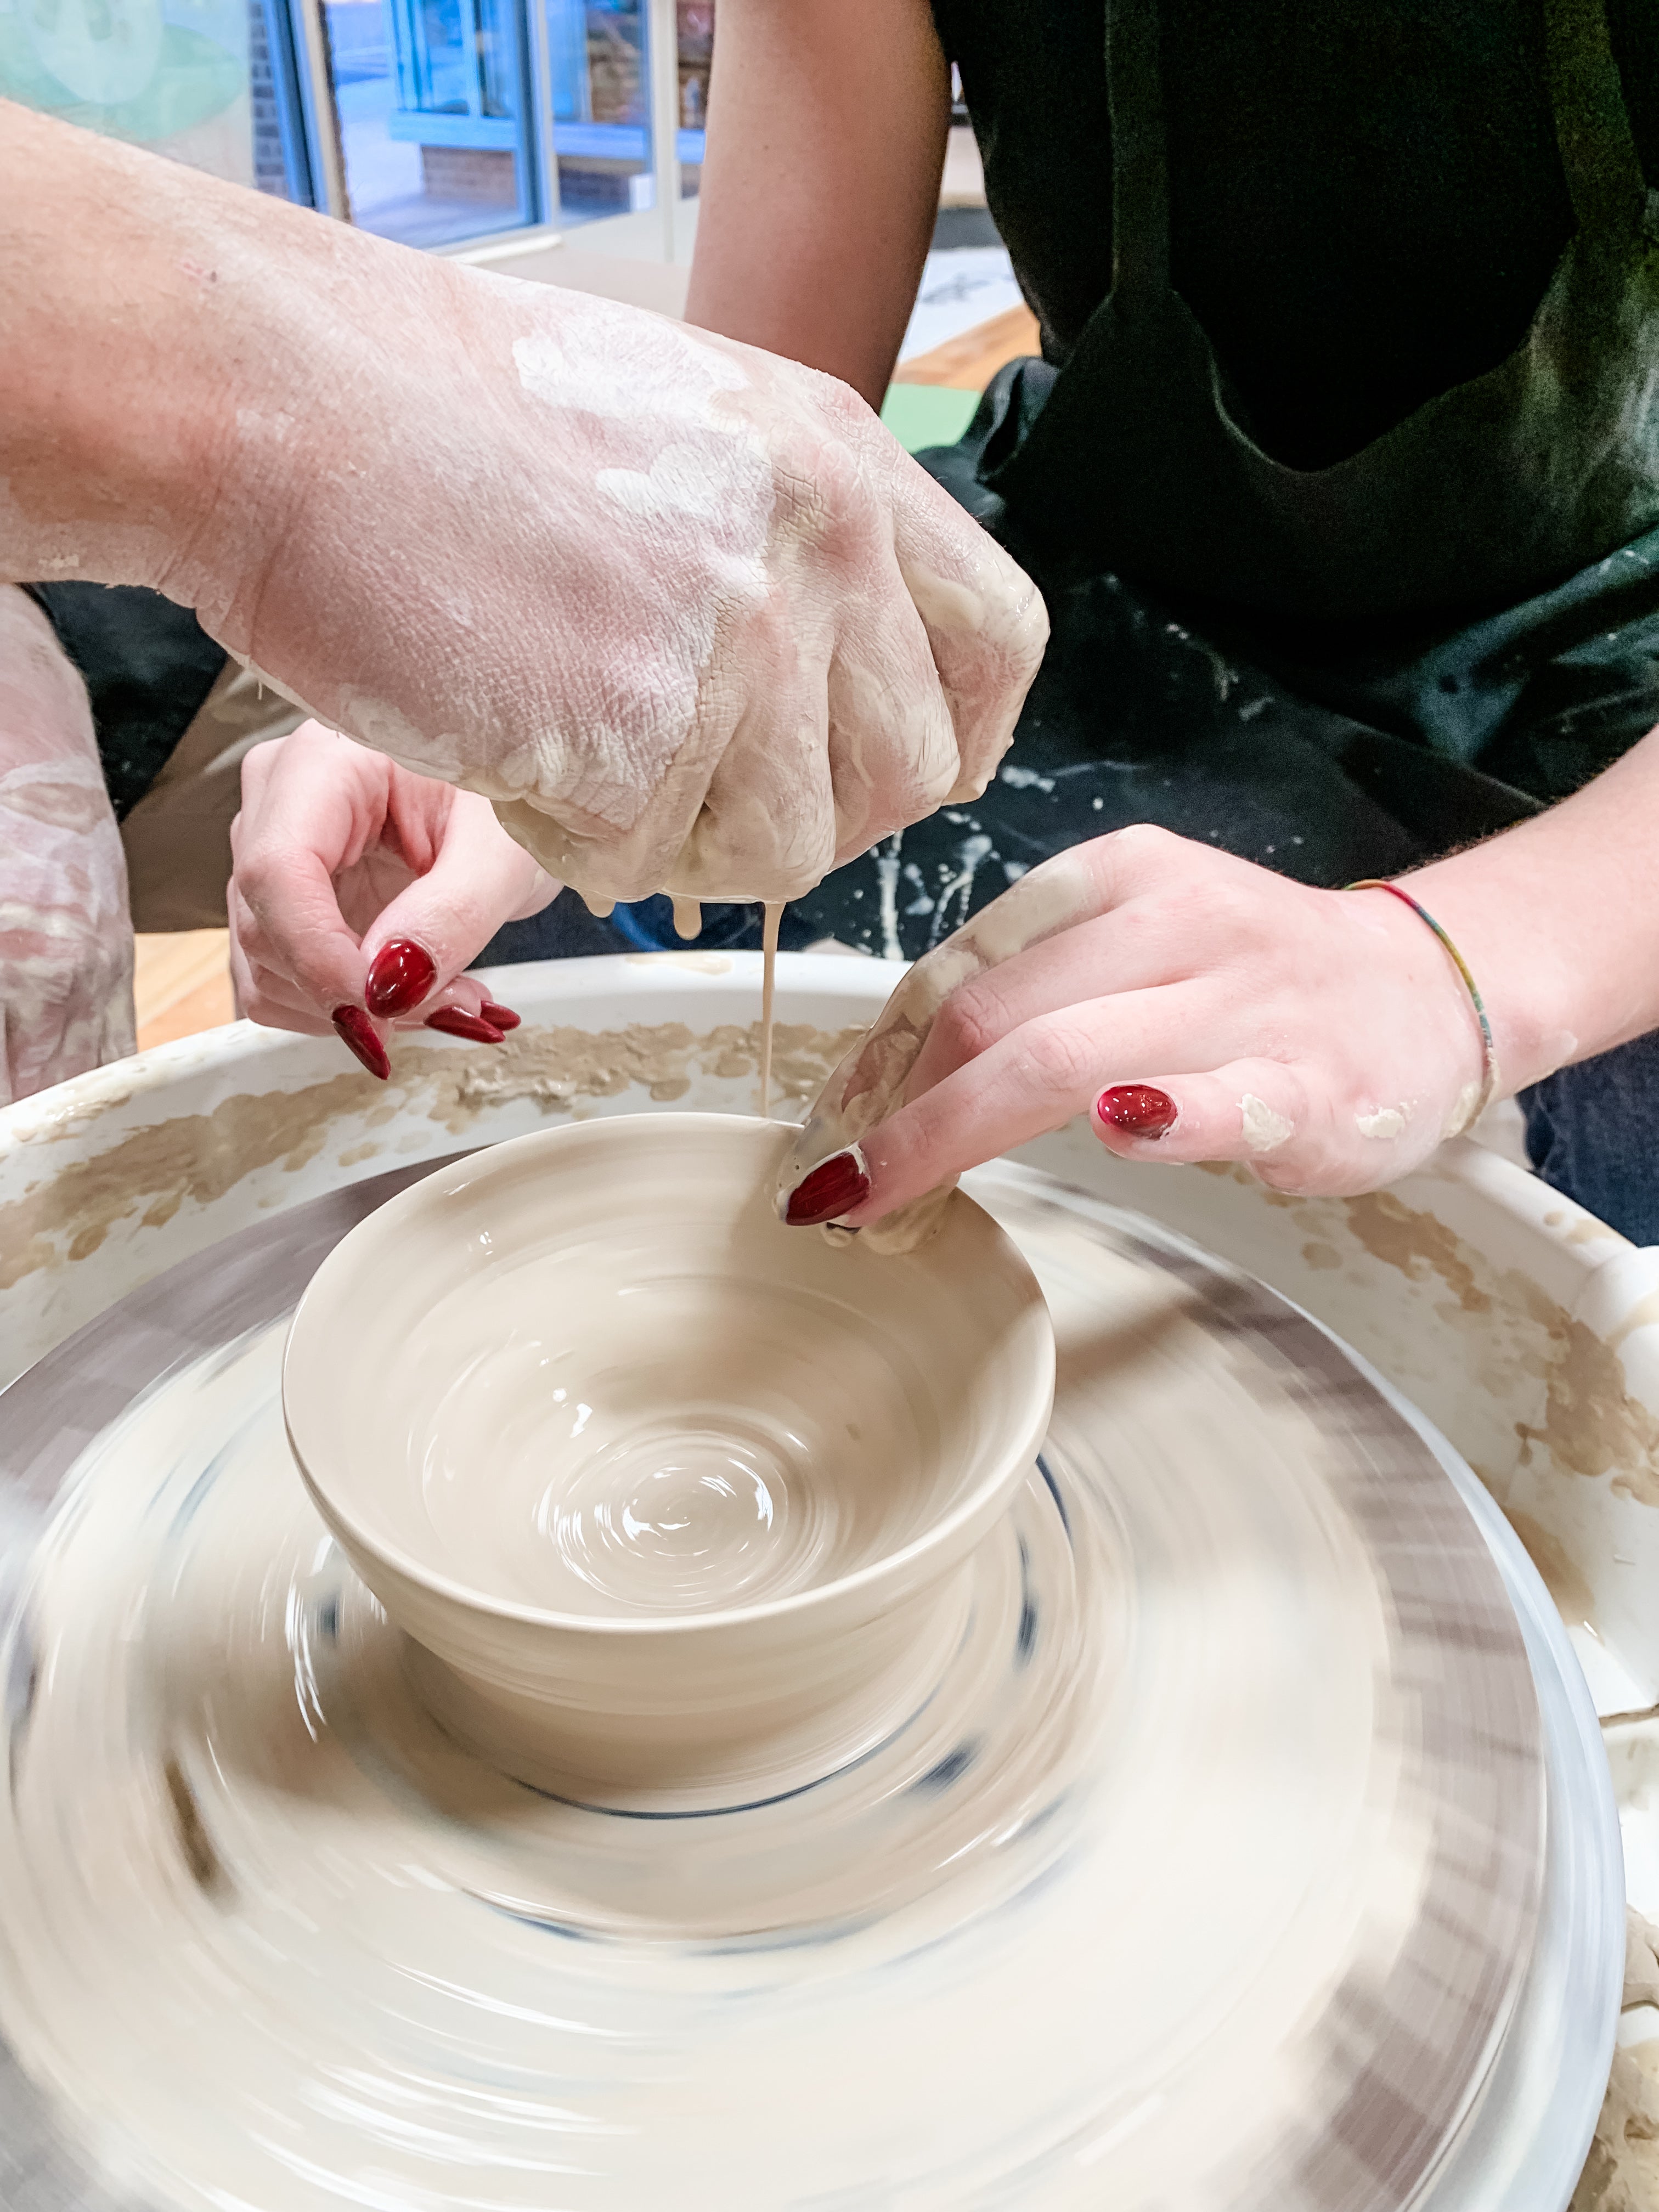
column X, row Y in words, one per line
column 556, row 1067
column 1563, row 1578
column 1591, row 1425
column 1413, row 1242
column 68, row 1214
column 152, row 1171
column 1621, row 2173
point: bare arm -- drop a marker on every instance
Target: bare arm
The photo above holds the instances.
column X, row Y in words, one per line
column 1559, row 921
column 826, row 140
column 115, row 399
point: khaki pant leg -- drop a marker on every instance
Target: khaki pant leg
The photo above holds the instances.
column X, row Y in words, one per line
column 178, row 837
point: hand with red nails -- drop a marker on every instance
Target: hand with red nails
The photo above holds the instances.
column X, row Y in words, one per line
column 1195, row 1008
column 360, row 891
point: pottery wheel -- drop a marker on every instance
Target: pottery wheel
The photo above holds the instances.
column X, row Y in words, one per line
column 1206, row 1876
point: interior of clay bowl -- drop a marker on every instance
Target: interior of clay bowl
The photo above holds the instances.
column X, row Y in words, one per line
column 622, row 1452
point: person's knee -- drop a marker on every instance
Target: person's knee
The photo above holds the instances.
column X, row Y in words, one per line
column 65, row 935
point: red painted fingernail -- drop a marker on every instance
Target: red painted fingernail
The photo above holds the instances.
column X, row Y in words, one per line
column 400, row 976
column 358, row 1031
column 503, row 1017
column 454, row 1022
column 835, row 1186
column 1137, row 1109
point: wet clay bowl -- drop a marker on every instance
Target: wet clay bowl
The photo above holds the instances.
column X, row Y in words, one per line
column 675, row 1504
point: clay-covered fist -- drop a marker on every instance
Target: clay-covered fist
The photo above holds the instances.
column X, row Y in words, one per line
column 1195, row 1007
column 684, row 612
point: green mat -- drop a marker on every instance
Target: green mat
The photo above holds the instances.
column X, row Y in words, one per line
column 921, row 415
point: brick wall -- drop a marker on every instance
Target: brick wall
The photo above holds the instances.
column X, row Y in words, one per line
column 269, row 172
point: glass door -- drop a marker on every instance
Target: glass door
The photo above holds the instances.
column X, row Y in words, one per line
column 428, row 98
column 601, row 108
column 630, row 105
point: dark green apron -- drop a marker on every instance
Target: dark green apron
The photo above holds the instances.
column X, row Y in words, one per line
column 1339, row 672
column 1487, row 494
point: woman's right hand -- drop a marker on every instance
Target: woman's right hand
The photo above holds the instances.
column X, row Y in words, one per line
column 360, row 891
column 1196, row 1006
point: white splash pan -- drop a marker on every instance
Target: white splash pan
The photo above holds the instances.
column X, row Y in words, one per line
column 1526, row 1331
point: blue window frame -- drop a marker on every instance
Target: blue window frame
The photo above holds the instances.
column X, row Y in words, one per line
column 429, row 121
column 430, row 97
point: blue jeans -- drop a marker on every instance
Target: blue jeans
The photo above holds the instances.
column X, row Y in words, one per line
column 1593, row 1131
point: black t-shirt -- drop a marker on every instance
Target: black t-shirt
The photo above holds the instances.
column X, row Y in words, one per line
column 1366, row 201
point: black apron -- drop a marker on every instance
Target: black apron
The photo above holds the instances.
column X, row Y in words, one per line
column 1336, row 673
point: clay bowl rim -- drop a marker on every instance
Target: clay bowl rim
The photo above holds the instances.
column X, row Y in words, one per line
column 1010, row 1467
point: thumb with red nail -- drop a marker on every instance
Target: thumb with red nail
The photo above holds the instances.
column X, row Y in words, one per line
column 360, row 892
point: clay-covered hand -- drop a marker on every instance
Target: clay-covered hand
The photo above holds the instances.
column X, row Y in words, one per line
column 684, row 611
column 360, row 891
column 66, row 936
column 1195, row 1007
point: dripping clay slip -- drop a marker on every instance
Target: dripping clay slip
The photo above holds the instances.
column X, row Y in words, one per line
column 771, row 916
column 688, row 923
column 675, row 1504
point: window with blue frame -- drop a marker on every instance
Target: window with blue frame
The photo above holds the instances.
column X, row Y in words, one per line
column 430, row 101
column 601, row 107
column 602, row 103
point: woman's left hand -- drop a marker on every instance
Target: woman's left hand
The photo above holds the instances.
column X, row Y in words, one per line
column 1195, row 1007
column 362, row 892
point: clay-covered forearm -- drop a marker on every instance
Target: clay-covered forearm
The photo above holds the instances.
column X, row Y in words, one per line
column 112, row 386
column 183, row 360
column 826, row 137
column 1558, row 921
